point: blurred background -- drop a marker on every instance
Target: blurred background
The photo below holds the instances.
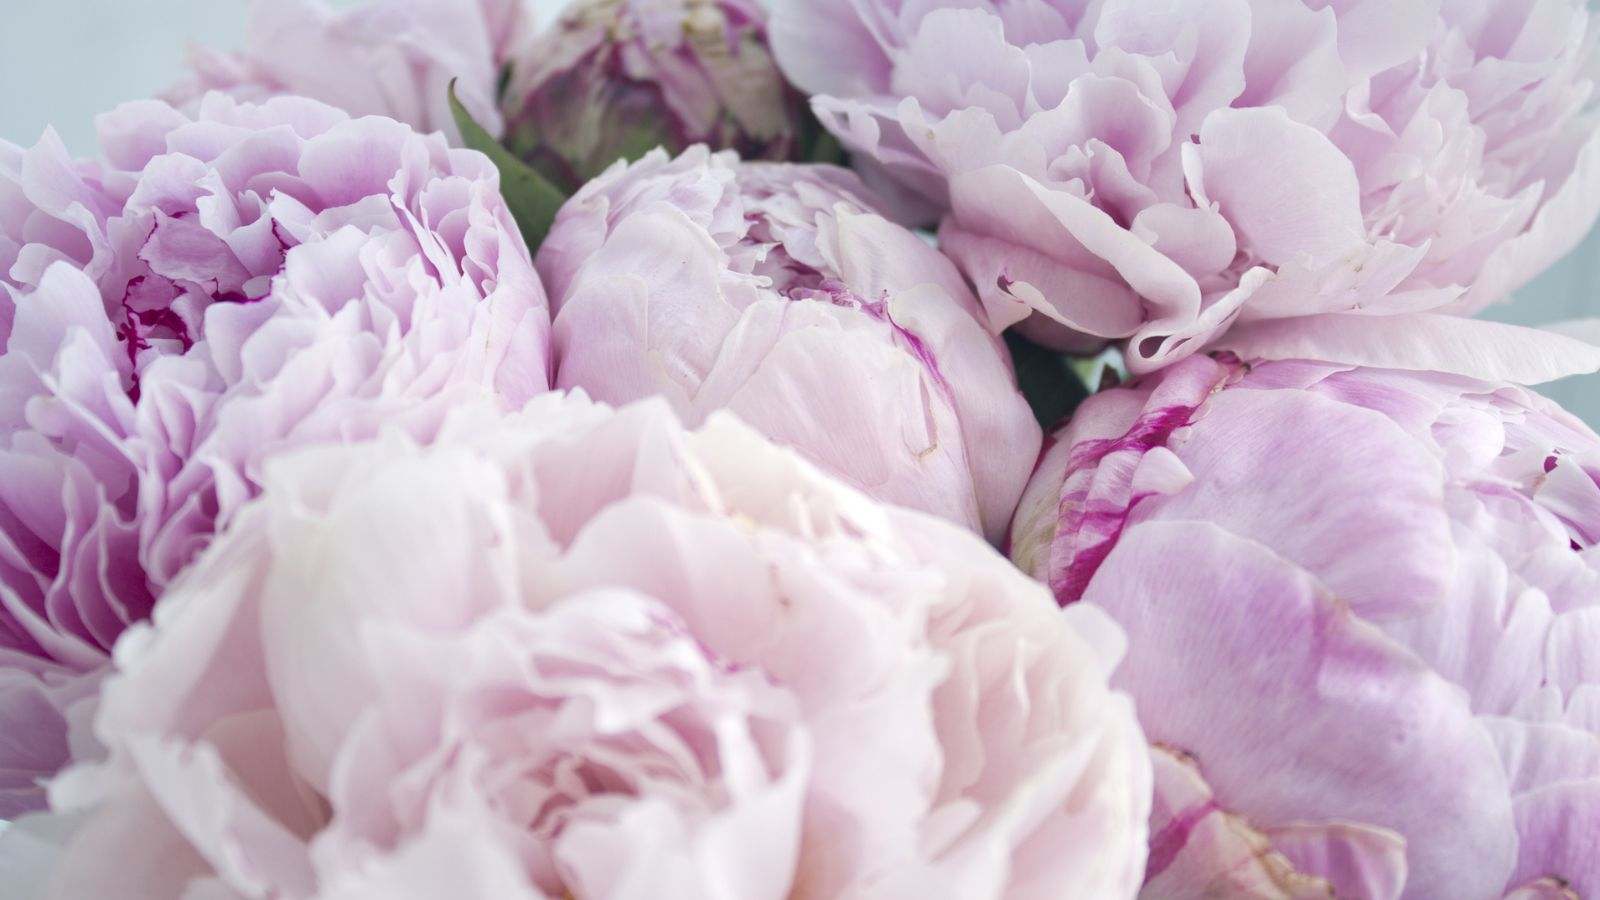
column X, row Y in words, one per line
column 62, row 61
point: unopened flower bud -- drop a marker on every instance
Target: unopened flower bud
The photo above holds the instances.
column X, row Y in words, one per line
column 616, row 78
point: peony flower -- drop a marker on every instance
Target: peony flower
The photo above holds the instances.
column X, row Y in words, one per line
column 1157, row 171
column 217, row 289
column 392, row 58
column 574, row 653
column 1361, row 606
column 615, row 78
column 775, row 292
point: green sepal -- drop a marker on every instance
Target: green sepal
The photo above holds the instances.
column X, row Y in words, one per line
column 1049, row 380
column 532, row 199
column 817, row 144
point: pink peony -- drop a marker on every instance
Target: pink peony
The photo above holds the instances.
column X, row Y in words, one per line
column 774, row 291
column 217, row 289
column 1362, row 606
column 615, row 78
column 1157, row 171
column 392, row 58
column 574, row 653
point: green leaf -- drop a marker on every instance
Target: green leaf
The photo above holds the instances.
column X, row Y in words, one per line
column 635, row 143
column 826, row 149
column 533, row 201
column 1049, row 380
column 817, row 144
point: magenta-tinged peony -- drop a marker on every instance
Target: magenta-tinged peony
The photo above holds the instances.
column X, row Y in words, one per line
column 774, row 291
column 215, row 290
column 615, row 78
column 1156, row 171
column 575, row 652
column 392, row 58
column 1362, row 607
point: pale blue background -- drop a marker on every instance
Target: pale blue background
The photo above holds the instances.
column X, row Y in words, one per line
column 61, row 61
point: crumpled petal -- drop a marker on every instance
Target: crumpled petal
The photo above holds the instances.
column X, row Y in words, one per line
column 1356, row 722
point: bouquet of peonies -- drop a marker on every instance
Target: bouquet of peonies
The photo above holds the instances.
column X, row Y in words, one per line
column 808, row 449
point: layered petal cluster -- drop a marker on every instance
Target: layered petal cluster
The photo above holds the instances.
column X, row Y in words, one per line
column 573, row 652
column 613, row 79
column 394, row 58
column 774, row 291
column 1156, row 171
column 1363, row 607
column 217, row 289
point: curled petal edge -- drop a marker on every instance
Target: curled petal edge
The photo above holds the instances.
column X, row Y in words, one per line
column 1491, row 351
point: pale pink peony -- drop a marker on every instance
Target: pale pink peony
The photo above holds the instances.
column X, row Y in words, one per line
column 774, row 291
column 574, row 652
column 215, row 290
column 1362, row 606
column 1156, row 171
column 615, row 78
column 392, row 58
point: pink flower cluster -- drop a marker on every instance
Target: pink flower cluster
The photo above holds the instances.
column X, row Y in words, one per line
column 459, row 449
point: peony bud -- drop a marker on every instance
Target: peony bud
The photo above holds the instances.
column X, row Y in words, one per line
column 575, row 653
column 776, row 292
column 616, row 78
column 1362, row 607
